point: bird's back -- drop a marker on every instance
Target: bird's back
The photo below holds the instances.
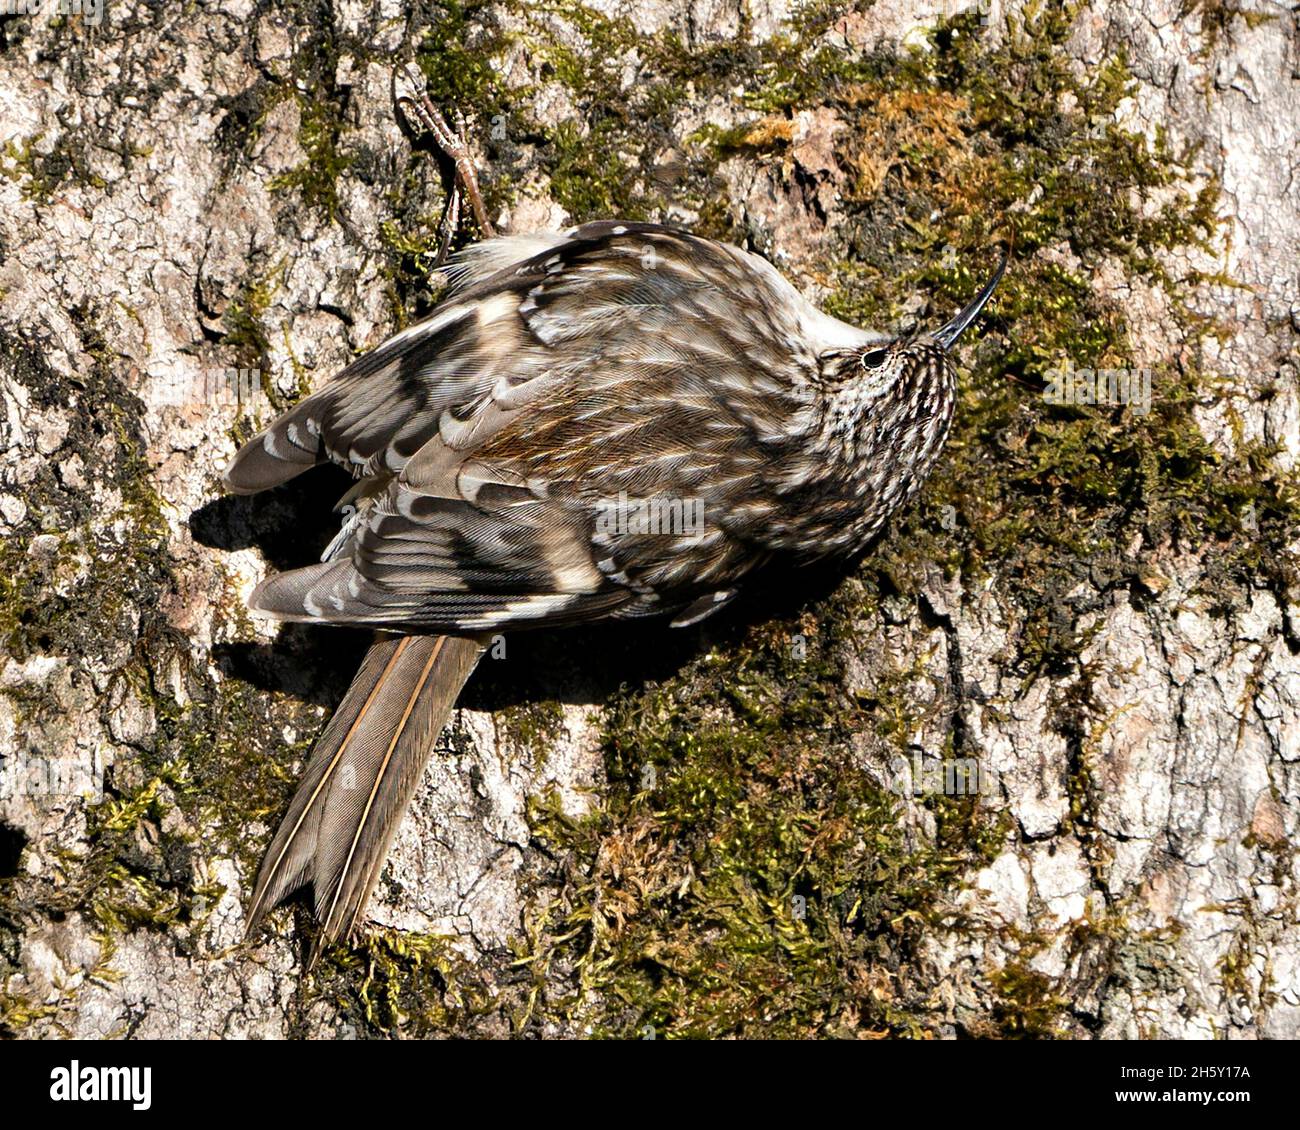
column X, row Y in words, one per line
column 602, row 427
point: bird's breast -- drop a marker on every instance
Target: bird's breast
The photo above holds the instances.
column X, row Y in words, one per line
column 842, row 480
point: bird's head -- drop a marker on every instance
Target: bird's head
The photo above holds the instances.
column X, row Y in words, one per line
column 878, row 365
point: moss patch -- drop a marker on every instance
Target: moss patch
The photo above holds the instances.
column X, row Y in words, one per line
column 747, row 873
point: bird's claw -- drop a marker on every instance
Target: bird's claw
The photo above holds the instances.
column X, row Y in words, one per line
column 424, row 117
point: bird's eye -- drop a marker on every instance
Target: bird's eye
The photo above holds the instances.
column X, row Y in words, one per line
column 874, row 358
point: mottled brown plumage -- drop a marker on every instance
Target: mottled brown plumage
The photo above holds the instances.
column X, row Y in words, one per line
column 566, row 379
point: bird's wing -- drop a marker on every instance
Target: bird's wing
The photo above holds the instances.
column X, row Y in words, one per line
column 627, row 362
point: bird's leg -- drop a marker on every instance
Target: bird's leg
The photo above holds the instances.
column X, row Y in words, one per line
column 429, row 119
column 449, row 224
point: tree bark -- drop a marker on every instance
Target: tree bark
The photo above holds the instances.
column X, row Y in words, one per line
column 206, row 212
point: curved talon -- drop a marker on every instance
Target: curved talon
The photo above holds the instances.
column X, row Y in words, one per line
column 425, row 117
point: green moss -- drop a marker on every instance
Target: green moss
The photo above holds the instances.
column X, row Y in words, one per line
column 413, row 247
column 316, row 178
column 247, row 337
column 1028, row 1005
column 531, row 728
column 83, row 602
column 619, row 155
column 459, row 54
column 309, row 81
column 1216, row 19
column 41, row 175
column 1009, row 134
column 746, row 873
column 397, row 983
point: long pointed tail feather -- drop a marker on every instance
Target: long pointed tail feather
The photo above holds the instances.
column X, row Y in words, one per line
column 360, row 779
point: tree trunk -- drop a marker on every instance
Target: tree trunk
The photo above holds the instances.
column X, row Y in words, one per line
column 1031, row 768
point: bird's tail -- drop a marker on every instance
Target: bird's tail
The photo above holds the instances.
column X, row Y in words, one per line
column 360, row 779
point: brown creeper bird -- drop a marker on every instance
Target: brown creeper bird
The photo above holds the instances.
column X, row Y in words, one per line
column 569, row 382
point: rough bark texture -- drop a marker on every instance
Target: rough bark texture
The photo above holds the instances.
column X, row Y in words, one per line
column 704, row 832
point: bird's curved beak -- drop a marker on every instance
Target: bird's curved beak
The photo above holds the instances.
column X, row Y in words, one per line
column 949, row 333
